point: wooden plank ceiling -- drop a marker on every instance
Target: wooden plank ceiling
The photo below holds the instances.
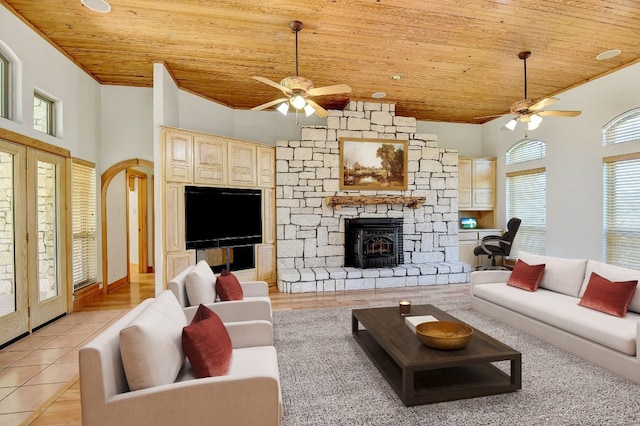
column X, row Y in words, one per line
column 457, row 59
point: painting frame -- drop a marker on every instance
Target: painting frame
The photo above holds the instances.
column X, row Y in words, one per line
column 362, row 166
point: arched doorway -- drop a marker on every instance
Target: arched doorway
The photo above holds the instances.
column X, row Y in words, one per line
column 107, row 177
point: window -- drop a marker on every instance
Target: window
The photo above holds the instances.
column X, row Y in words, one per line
column 44, row 114
column 623, row 128
column 621, row 222
column 84, row 224
column 4, row 87
column 526, row 150
column 527, row 200
column 527, row 197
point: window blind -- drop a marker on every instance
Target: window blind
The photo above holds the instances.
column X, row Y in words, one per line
column 84, row 224
column 623, row 128
column 4, row 87
column 527, row 200
column 526, row 150
column 621, row 204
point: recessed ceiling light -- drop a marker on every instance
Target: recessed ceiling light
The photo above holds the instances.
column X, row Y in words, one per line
column 608, row 54
column 97, row 5
column 378, row 95
column 396, row 77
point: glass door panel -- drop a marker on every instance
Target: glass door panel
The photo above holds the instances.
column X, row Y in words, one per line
column 47, row 280
column 47, row 220
column 14, row 320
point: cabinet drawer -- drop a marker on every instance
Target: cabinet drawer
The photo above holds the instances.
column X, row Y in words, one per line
column 467, row 236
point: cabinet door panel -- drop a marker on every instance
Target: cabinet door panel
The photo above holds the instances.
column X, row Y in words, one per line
column 266, row 165
column 242, row 164
column 209, row 157
column 464, row 184
column 178, row 158
column 174, row 220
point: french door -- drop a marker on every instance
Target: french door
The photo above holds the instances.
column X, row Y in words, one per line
column 33, row 284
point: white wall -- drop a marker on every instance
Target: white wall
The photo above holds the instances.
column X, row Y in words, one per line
column 116, row 229
column 574, row 160
column 44, row 68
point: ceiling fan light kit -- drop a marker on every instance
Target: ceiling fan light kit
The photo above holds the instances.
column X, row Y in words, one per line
column 298, row 89
column 530, row 112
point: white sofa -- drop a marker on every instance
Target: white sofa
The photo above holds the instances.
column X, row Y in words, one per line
column 255, row 305
column 249, row 394
column 552, row 313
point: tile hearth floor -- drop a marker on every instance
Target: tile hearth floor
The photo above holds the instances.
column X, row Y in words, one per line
column 39, row 367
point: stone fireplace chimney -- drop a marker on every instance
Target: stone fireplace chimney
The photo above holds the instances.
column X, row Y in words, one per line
column 311, row 233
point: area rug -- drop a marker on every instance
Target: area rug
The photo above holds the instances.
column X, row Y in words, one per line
column 327, row 379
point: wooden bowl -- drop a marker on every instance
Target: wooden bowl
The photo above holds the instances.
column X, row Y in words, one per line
column 444, row 334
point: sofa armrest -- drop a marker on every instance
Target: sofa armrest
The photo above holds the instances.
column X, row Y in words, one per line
column 236, row 310
column 488, row 277
column 198, row 402
column 255, row 288
column 247, row 334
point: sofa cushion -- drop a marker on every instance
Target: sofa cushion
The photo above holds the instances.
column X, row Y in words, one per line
column 525, row 276
column 609, row 297
column 613, row 273
column 228, row 287
column 563, row 312
column 200, row 284
column 560, row 275
column 151, row 346
column 207, row 344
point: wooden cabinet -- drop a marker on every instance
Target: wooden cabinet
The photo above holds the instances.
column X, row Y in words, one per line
column 209, row 157
column 468, row 240
column 178, row 156
column 193, row 158
column 242, row 164
column 476, row 183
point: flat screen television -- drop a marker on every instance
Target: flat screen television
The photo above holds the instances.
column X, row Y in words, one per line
column 222, row 217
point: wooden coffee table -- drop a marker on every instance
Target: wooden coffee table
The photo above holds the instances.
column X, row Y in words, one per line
column 421, row 375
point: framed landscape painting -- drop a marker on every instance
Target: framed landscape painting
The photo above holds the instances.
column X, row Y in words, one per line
column 373, row 164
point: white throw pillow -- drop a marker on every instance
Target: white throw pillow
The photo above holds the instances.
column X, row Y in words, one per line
column 200, row 284
column 151, row 346
column 560, row 274
column 613, row 273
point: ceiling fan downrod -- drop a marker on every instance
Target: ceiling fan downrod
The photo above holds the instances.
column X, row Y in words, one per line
column 296, row 27
column 524, row 56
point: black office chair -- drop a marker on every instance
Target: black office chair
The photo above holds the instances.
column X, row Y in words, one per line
column 498, row 245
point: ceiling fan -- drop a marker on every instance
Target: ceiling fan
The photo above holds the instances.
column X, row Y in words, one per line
column 298, row 90
column 528, row 111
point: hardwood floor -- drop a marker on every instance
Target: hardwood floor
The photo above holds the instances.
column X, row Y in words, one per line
column 65, row 409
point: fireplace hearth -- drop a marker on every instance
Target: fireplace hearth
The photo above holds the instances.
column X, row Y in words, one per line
column 373, row 242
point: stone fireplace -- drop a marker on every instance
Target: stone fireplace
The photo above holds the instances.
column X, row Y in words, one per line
column 311, row 227
column 373, row 242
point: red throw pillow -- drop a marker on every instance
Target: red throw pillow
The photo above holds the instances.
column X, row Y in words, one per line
column 228, row 287
column 609, row 297
column 207, row 344
column 525, row 276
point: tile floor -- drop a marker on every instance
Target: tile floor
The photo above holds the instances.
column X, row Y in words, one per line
column 39, row 367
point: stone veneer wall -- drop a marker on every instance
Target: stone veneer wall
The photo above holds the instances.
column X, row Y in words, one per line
column 310, row 234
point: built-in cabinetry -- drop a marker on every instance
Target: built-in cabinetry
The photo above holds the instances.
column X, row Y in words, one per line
column 468, row 240
column 193, row 158
column 476, row 199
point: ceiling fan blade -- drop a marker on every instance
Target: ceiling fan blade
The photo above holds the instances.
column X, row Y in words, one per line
column 543, row 103
column 559, row 113
column 329, row 90
column 269, row 104
column 491, row 116
column 272, row 84
column 320, row 112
